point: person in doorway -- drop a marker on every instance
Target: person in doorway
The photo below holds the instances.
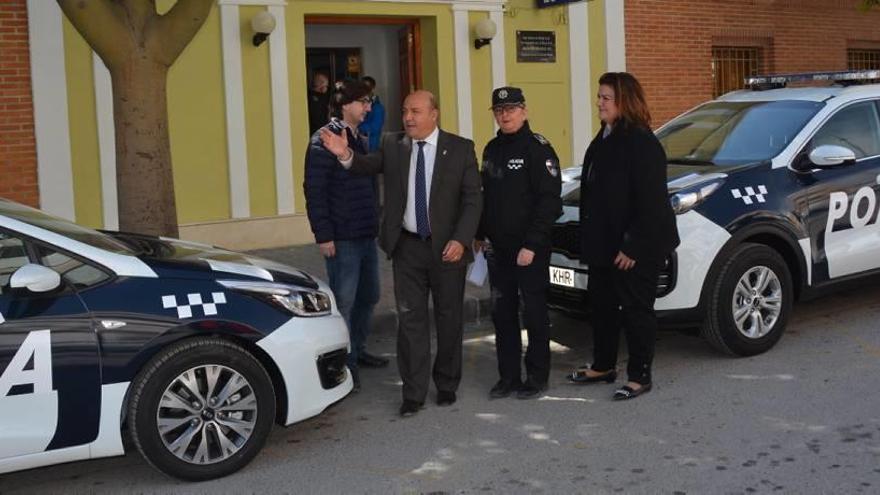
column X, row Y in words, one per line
column 343, row 212
column 627, row 230
column 521, row 193
column 319, row 100
column 432, row 209
column 375, row 120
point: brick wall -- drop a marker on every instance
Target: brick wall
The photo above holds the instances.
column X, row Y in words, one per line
column 669, row 42
column 18, row 155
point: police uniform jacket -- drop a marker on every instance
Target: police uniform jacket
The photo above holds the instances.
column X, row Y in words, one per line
column 624, row 203
column 521, row 188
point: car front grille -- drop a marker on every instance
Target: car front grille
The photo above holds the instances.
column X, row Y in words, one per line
column 331, row 368
column 566, row 239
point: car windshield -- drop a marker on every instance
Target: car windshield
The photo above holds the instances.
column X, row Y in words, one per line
column 62, row 227
column 727, row 133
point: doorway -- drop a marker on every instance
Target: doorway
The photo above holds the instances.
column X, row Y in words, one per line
column 386, row 49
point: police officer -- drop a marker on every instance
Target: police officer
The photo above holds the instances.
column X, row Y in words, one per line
column 521, row 194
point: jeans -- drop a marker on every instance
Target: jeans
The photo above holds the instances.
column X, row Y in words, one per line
column 354, row 280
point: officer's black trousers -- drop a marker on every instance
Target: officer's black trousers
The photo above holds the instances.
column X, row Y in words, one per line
column 624, row 299
column 508, row 282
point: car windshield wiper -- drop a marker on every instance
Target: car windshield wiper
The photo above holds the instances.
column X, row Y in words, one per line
column 690, row 161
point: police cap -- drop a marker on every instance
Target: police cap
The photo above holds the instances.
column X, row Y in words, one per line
column 507, row 95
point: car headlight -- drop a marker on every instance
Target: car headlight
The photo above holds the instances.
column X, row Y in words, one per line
column 299, row 301
column 686, row 200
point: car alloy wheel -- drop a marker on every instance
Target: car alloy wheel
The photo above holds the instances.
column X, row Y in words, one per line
column 757, row 302
column 207, row 414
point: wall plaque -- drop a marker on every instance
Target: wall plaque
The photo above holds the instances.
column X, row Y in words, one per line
column 536, row 46
column 550, row 3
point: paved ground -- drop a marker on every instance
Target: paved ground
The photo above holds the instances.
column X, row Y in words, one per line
column 803, row 418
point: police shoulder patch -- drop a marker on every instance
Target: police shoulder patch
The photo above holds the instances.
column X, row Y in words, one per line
column 541, row 139
column 552, row 167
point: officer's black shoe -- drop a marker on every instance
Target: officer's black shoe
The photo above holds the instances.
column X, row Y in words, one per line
column 410, row 408
column 531, row 389
column 368, row 360
column 503, row 389
column 445, row 398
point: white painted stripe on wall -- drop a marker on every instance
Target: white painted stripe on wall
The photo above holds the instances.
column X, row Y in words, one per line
column 106, row 142
column 579, row 50
column 615, row 36
column 236, row 141
column 463, row 72
column 281, row 113
column 51, row 124
column 499, row 72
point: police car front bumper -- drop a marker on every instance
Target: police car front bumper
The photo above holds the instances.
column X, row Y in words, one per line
column 310, row 353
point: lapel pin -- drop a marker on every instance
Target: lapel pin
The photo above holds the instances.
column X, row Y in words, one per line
column 444, row 152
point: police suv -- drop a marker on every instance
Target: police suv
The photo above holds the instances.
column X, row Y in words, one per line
column 196, row 351
column 776, row 195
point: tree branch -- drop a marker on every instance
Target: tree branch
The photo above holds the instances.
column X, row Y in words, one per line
column 101, row 24
column 170, row 34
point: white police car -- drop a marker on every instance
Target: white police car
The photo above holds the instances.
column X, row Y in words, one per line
column 198, row 351
column 776, row 194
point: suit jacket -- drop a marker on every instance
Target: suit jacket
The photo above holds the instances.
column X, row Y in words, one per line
column 456, row 201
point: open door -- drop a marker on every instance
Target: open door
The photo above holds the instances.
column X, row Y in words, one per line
column 409, row 51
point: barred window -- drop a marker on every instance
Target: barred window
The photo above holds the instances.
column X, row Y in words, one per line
column 863, row 59
column 731, row 65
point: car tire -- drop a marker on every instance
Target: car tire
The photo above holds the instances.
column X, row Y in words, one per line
column 201, row 409
column 747, row 314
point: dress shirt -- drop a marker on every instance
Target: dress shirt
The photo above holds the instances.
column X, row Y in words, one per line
column 430, row 151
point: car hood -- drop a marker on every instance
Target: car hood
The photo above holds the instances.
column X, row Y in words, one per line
column 179, row 258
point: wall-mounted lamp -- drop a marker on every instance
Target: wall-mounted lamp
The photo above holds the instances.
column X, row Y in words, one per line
column 262, row 24
column 484, row 31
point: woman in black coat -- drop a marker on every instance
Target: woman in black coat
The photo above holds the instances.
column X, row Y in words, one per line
column 627, row 231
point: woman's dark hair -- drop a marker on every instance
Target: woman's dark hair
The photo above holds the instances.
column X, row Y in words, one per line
column 344, row 93
column 629, row 97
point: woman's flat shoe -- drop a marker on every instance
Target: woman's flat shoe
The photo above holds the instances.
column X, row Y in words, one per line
column 626, row 392
column 580, row 376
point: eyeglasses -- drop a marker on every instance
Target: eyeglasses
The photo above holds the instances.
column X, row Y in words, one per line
column 505, row 109
column 366, row 100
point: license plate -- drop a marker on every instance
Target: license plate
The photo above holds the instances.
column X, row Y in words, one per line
column 561, row 276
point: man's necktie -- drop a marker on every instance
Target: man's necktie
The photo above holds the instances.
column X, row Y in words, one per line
column 423, row 228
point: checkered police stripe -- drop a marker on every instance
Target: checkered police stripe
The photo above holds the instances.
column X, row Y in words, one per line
column 750, row 193
column 194, row 300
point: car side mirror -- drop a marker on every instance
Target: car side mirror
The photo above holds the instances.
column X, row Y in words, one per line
column 831, row 155
column 35, row 278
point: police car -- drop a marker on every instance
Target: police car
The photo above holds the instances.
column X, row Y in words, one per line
column 194, row 350
column 776, row 194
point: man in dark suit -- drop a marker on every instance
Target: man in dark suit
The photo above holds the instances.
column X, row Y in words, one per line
column 431, row 213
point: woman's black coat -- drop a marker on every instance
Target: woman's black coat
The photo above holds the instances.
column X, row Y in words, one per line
column 624, row 203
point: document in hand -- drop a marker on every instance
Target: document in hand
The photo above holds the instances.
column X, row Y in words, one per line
column 478, row 270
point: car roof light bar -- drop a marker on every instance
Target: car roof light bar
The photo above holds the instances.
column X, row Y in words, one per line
column 845, row 78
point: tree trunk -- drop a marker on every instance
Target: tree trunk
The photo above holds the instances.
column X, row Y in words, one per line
column 143, row 150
